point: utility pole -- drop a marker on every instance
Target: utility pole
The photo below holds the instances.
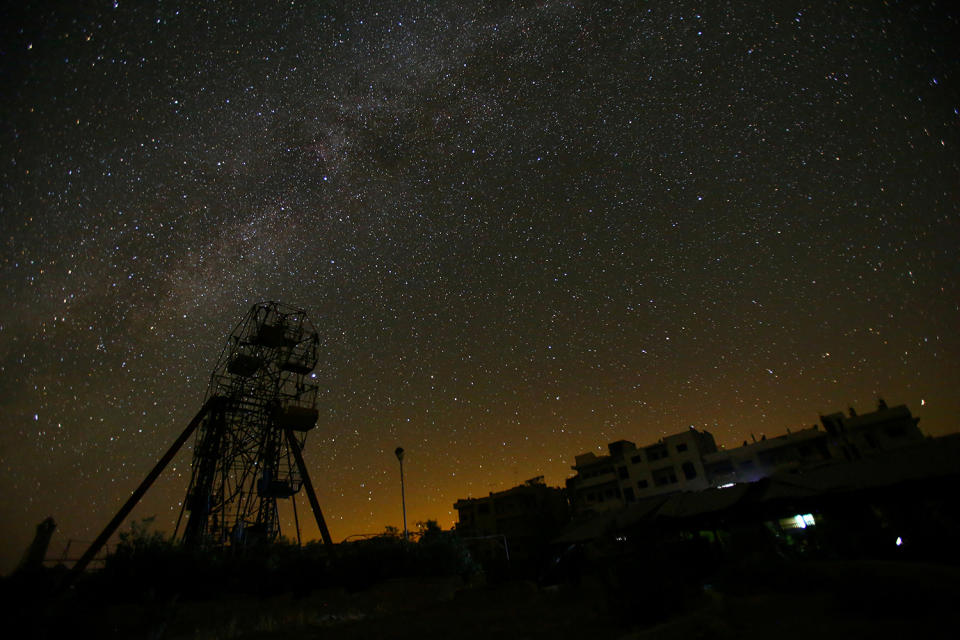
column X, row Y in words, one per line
column 403, row 496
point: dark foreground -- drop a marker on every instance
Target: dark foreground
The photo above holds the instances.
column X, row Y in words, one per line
column 783, row 601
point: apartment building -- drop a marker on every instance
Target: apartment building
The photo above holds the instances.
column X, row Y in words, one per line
column 628, row 472
column 529, row 510
column 691, row 460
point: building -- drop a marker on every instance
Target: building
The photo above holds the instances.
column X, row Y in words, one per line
column 894, row 503
column 596, row 488
column 854, row 436
column 843, row 439
column 528, row 511
column 765, row 457
column 691, row 461
column 627, row 473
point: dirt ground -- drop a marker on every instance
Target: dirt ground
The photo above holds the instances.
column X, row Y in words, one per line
column 811, row 600
column 829, row 600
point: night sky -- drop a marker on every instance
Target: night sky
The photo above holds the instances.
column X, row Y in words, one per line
column 523, row 231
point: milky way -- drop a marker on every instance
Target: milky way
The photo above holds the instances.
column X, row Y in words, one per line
column 523, row 231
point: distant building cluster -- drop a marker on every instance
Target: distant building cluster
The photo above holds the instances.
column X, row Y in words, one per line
column 685, row 462
column 691, row 461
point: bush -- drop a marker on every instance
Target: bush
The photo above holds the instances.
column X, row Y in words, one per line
column 147, row 564
column 443, row 553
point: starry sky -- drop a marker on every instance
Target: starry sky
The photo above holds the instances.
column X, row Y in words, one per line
column 523, row 230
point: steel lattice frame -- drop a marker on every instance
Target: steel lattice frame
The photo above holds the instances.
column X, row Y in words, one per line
column 243, row 459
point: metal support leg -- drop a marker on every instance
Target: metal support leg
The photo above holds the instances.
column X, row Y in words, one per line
column 311, row 495
column 134, row 498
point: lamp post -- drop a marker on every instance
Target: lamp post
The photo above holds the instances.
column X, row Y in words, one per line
column 403, row 496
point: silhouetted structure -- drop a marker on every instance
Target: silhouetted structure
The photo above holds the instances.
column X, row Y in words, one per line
column 675, row 463
column 403, row 492
column 856, row 436
column 512, row 528
column 896, row 503
column 34, row 555
column 843, row 439
column 254, row 421
column 761, row 458
column 531, row 509
column 691, row 461
column 247, row 453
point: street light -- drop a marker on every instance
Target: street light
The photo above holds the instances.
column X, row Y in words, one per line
column 403, row 496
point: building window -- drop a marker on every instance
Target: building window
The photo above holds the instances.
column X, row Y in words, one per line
column 665, row 476
column 624, row 473
column 628, row 494
column 682, row 447
column 637, row 459
column 484, row 508
column 657, row 452
column 642, row 484
column 689, row 471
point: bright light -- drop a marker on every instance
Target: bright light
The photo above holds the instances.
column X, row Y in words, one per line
column 727, row 486
column 799, row 521
column 899, row 541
